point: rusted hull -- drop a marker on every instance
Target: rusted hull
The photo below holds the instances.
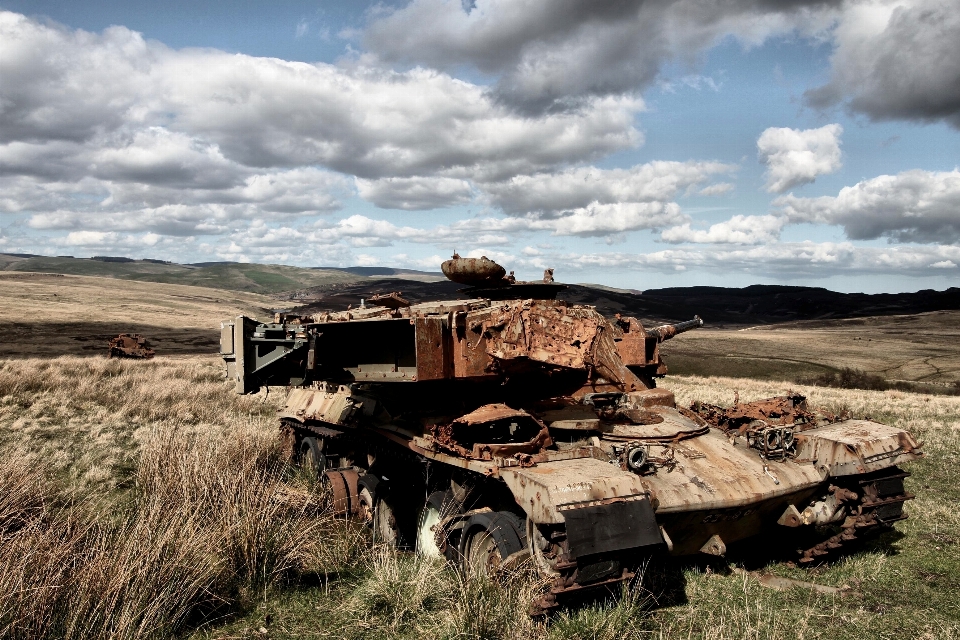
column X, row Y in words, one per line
column 711, row 486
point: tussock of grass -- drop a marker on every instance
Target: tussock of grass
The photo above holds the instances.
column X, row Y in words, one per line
column 210, row 524
column 626, row 618
column 398, row 595
column 24, row 494
column 406, row 596
column 87, row 417
column 483, row 608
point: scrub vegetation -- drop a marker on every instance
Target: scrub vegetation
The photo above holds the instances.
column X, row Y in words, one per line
column 848, row 378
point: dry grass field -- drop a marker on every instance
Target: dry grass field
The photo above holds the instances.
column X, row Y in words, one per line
column 147, row 500
column 918, row 348
column 50, row 315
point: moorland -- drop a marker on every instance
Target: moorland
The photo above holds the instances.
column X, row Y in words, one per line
column 146, row 499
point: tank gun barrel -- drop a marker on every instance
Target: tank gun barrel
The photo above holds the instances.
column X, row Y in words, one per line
column 667, row 331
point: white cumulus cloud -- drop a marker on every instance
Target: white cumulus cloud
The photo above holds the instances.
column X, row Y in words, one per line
column 737, row 230
column 555, row 192
column 547, row 51
column 608, row 219
column 108, row 131
column 913, row 206
column 790, row 260
column 796, row 157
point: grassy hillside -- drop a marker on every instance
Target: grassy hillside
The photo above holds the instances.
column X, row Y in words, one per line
column 233, row 276
column 52, row 315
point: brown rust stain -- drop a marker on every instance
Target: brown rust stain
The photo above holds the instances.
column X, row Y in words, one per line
column 779, row 410
column 631, row 341
column 490, row 412
column 445, row 435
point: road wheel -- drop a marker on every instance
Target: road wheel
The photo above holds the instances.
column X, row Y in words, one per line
column 430, row 516
column 312, row 457
column 394, row 518
column 367, row 492
column 386, row 528
column 488, row 540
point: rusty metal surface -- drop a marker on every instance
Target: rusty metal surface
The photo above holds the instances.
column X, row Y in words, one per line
column 433, row 349
column 780, row 410
column 467, row 435
column 346, row 500
column 393, row 300
column 856, row 446
column 562, row 591
column 553, row 334
column 474, row 339
column 631, row 341
column 650, row 398
column 332, row 407
column 543, row 332
column 541, row 489
column 473, row 271
column 713, row 474
column 667, row 331
column 490, row 412
column 130, row 345
column 877, row 504
column 668, row 425
column 537, row 409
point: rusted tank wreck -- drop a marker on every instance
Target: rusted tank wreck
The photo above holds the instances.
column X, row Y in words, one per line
column 130, row 345
column 510, row 425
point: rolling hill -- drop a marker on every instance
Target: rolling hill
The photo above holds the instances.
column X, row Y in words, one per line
column 718, row 306
column 232, row 276
column 335, row 288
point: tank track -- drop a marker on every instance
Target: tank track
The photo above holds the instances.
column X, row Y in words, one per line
column 880, row 504
column 360, row 438
column 566, row 588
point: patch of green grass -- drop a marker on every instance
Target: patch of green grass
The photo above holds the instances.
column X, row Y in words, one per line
column 736, row 366
column 272, row 281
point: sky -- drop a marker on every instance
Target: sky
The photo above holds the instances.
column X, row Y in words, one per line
column 635, row 144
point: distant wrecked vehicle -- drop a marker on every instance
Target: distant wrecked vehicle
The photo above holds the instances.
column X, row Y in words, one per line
column 130, row 345
column 510, row 425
